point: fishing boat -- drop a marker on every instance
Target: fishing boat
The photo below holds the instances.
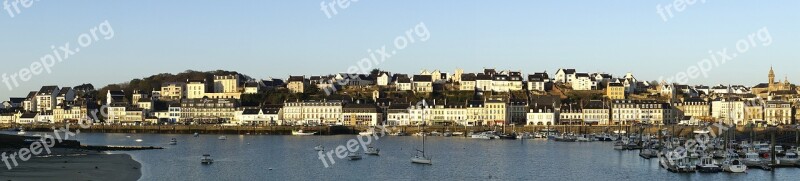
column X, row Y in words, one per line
column 319, row 148
column 173, row 141
column 206, row 160
column 303, row 133
column 707, row 165
column 222, row 138
column 372, row 151
column 353, row 156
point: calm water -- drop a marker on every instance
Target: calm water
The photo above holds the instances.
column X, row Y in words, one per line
column 249, row 157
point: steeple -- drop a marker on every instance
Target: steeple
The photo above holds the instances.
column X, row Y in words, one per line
column 771, row 76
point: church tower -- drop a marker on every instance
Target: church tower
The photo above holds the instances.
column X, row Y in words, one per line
column 771, row 76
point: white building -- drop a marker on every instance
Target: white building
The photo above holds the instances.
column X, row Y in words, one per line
column 728, row 109
column 581, row 81
column 541, row 115
column 564, row 75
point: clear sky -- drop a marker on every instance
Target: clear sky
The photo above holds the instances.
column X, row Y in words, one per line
column 269, row 38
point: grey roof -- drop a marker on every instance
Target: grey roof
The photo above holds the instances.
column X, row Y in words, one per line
column 28, row 115
column 581, row 75
column 422, row 78
column 296, row 78
column 48, row 90
column 31, row 95
column 569, row 71
column 403, row 80
column 468, row 77
column 16, row 100
column 538, row 77
column 64, row 91
column 596, row 104
column 483, row 77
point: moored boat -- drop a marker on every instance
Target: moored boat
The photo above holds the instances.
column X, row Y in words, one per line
column 303, row 133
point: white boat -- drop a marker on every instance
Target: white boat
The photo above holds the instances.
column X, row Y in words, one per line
column 483, row 136
column 790, row 159
column 223, row 138
column 21, row 132
column 420, row 157
column 319, row 148
column 368, row 132
column 585, row 138
column 525, row 136
column 353, row 156
column 734, row 166
column 302, row 133
column 753, row 159
column 173, row 141
column 458, row 133
column 138, row 140
column 196, row 134
column 372, row 151
column 206, row 160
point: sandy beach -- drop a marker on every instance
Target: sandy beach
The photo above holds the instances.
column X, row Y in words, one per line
column 70, row 164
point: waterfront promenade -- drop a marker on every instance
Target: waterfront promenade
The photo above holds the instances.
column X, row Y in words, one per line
column 789, row 134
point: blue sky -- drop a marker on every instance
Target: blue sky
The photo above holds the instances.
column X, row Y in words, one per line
column 278, row 38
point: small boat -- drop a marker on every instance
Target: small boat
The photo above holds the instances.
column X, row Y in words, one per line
column 525, row 136
column 707, row 165
column 21, row 132
column 196, row 134
column 223, row 138
column 619, row 145
column 734, row 166
column 398, row 134
column 138, row 140
column 319, row 148
column 206, row 160
column 752, row 159
column 648, row 153
column 173, row 141
column 585, row 138
column 302, row 133
column 368, row 132
column 353, row 156
column 458, row 133
column 372, row 151
column 483, row 136
column 789, row 159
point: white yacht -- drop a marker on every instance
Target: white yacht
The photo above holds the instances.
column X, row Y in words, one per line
column 206, row 160
column 420, row 157
column 303, row 133
column 734, row 166
column 790, row 159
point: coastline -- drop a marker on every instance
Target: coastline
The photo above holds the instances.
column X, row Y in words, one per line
column 76, row 165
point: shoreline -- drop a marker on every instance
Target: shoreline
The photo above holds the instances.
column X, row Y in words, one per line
column 75, row 164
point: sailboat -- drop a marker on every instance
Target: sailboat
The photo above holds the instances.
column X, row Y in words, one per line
column 420, row 157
